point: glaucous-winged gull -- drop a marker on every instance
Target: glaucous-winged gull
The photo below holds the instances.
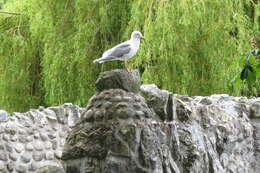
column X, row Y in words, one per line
column 122, row 51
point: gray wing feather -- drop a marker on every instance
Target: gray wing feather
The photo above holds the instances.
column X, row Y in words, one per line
column 120, row 50
column 114, row 53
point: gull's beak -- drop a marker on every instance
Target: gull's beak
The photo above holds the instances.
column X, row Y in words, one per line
column 142, row 38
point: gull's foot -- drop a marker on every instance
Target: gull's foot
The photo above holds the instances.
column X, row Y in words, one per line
column 128, row 70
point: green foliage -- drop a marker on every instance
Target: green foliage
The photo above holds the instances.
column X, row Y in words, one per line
column 62, row 39
column 247, row 77
column 191, row 47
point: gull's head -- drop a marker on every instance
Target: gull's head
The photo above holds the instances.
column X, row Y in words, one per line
column 137, row 35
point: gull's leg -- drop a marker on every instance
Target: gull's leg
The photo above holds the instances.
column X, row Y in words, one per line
column 102, row 67
column 128, row 70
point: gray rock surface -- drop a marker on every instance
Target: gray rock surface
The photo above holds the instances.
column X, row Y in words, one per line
column 31, row 140
column 155, row 131
column 49, row 169
column 119, row 78
column 125, row 129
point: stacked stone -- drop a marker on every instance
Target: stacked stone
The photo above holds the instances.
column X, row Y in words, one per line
column 36, row 138
column 148, row 130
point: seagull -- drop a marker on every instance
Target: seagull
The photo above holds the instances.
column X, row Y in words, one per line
column 122, row 51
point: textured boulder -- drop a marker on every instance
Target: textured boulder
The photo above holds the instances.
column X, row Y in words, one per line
column 155, row 131
column 119, row 78
column 158, row 100
column 95, row 133
column 255, row 109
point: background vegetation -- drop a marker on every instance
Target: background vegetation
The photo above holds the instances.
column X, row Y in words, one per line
column 192, row 47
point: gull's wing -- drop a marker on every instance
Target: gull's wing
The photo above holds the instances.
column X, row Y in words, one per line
column 115, row 53
column 118, row 51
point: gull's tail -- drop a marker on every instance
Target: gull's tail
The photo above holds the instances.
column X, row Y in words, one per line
column 105, row 59
column 99, row 60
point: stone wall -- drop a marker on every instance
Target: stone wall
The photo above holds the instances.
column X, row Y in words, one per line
column 35, row 139
column 155, row 131
column 128, row 128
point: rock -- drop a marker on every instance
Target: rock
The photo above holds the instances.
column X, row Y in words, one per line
column 43, row 136
column 33, row 166
column 22, row 139
column 119, row 79
column 22, row 131
column 38, row 145
column 2, row 165
column 6, row 137
column 121, row 131
column 158, row 100
column 26, row 157
column 23, row 120
column 38, row 156
column 29, row 147
column 19, row 147
column 9, row 147
column 3, row 116
column 48, row 145
column 256, row 124
column 29, row 140
column 51, row 136
column 62, row 134
column 10, row 167
column 54, row 144
column 3, row 156
column 73, row 114
column 58, row 154
column 255, row 110
column 13, row 156
column 21, row 168
column 183, row 111
column 60, row 113
column 49, row 169
column 2, row 147
column 50, row 115
column 205, row 101
column 49, row 155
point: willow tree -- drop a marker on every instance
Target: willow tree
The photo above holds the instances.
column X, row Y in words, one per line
column 46, row 53
column 58, row 41
column 191, row 47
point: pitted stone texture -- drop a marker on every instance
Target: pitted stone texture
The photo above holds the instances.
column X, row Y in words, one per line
column 31, row 140
column 123, row 107
column 49, row 169
column 187, row 134
column 119, row 79
column 116, row 103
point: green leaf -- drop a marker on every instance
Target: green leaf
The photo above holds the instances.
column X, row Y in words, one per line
column 235, row 82
column 251, row 79
column 251, row 60
column 244, row 73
